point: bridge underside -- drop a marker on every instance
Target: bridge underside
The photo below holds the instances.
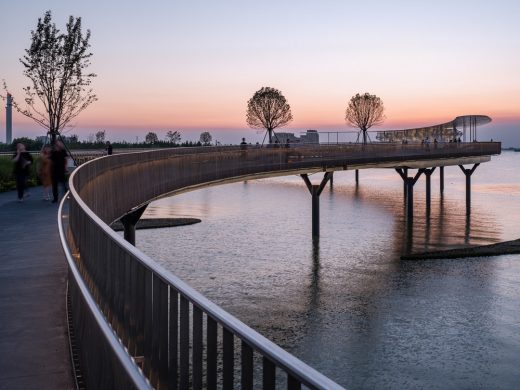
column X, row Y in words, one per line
column 411, row 164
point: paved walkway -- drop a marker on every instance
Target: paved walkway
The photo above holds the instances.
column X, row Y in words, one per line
column 34, row 350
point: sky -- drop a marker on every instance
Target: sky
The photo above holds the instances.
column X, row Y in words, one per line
column 192, row 66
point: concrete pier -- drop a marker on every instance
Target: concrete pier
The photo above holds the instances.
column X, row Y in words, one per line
column 34, row 350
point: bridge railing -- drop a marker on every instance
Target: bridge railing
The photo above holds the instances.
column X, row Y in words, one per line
column 176, row 336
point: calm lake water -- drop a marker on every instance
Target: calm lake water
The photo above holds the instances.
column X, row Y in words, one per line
column 348, row 305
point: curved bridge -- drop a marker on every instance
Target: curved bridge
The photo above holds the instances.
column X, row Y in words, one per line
column 139, row 326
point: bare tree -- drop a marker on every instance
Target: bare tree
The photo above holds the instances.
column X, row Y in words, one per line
column 151, row 138
column 268, row 109
column 55, row 64
column 205, row 138
column 365, row 111
column 173, row 136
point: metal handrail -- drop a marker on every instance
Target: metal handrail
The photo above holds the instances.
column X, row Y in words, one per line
column 112, row 268
column 129, row 366
column 302, row 371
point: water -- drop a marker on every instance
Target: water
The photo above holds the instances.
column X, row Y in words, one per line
column 348, row 305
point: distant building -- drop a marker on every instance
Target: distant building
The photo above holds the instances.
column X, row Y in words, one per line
column 283, row 137
column 443, row 132
column 310, row 137
column 9, row 119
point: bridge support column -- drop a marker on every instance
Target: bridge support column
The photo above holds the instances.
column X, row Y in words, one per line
column 405, row 171
column 316, row 191
column 468, row 172
column 357, row 176
column 331, row 180
column 409, row 183
column 428, row 174
column 441, row 179
column 129, row 221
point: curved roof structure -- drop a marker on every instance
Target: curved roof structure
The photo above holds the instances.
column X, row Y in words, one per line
column 462, row 126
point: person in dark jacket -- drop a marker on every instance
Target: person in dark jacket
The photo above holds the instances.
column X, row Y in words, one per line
column 22, row 163
column 59, row 167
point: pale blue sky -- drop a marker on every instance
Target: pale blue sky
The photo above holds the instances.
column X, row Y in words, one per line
column 193, row 65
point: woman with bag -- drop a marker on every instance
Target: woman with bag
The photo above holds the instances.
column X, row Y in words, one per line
column 44, row 172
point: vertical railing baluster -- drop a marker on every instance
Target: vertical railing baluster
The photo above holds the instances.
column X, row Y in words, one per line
column 247, row 366
column 293, row 383
column 162, row 329
column 140, row 309
column 269, row 374
column 132, row 306
column 197, row 348
column 211, row 358
column 127, row 302
column 121, row 300
column 184, row 344
column 173, row 340
column 148, row 321
column 229, row 359
column 154, row 372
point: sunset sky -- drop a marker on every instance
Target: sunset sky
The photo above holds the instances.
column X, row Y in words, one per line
column 192, row 65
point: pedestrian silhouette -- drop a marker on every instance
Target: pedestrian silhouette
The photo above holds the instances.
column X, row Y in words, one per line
column 59, row 166
column 44, row 172
column 22, row 164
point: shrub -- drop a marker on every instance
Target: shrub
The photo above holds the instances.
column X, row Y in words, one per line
column 7, row 181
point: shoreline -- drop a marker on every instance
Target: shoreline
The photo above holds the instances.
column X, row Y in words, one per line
column 501, row 248
column 156, row 223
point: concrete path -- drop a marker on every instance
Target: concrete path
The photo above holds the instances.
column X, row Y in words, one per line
column 34, row 351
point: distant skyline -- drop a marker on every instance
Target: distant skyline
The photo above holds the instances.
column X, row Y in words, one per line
column 192, row 66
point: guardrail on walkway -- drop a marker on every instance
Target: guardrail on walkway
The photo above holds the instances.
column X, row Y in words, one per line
column 177, row 336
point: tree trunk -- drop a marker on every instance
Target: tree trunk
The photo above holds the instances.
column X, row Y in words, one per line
column 270, row 131
column 364, row 136
column 53, row 134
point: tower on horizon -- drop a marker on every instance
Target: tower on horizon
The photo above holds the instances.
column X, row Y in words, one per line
column 9, row 119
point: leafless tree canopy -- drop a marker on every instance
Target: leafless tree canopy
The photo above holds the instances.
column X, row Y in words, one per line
column 365, row 111
column 55, row 64
column 173, row 136
column 268, row 109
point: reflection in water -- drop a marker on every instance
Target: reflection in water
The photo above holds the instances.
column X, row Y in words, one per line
column 314, row 289
column 467, row 229
column 346, row 304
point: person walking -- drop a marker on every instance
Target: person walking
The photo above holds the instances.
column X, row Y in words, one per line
column 44, row 172
column 109, row 148
column 59, row 166
column 22, row 163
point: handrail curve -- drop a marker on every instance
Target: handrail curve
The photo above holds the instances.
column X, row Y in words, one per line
column 157, row 317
